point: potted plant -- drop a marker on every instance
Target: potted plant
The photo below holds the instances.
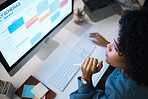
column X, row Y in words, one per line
column 80, row 13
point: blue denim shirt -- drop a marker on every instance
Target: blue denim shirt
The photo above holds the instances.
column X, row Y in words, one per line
column 117, row 86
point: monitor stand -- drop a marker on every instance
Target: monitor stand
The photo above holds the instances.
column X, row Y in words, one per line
column 49, row 47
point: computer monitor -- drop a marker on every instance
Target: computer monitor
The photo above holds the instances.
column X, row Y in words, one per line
column 25, row 26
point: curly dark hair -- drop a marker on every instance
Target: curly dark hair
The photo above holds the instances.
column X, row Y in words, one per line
column 133, row 43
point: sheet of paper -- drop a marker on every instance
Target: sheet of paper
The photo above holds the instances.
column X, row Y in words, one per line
column 39, row 90
column 27, row 91
column 76, row 29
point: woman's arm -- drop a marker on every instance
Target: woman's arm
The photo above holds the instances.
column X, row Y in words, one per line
column 89, row 67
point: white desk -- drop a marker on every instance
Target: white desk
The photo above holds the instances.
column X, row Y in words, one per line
column 42, row 69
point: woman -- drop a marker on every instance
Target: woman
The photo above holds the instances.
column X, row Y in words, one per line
column 128, row 53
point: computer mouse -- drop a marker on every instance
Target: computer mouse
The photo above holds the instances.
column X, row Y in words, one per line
column 92, row 38
column 86, row 36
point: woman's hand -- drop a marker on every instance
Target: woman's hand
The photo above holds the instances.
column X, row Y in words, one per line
column 100, row 40
column 89, row 67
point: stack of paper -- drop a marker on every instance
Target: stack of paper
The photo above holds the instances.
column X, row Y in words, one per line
column 34, row 91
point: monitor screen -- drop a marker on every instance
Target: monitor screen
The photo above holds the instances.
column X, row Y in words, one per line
column 24, row 24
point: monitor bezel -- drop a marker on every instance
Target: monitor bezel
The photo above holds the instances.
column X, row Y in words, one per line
column 5, row 4
column 27, row 56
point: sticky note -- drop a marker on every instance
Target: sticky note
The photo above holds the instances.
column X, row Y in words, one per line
column 27, row 91
column 39, row 90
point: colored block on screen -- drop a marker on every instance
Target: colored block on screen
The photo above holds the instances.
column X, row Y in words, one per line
column 31, row 21
column 22, row 42
column 42, row 7
column 55, row 16
column 14, row 26
column 54, row 6
column 64, row 2
column 36, row 38
column 44, row 17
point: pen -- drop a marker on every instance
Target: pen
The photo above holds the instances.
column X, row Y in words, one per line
column 77, row 64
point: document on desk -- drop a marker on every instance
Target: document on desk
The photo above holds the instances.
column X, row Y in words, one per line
column 27, row 91
column 39, row 90
column 79, row 30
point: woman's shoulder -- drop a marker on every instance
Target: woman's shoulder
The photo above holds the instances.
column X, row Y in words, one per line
column 123, row 86
column 135, row 92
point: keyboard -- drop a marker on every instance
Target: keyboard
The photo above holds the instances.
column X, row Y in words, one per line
column 65, row 72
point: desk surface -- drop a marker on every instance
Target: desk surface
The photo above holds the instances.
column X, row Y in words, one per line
column 41, row 69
